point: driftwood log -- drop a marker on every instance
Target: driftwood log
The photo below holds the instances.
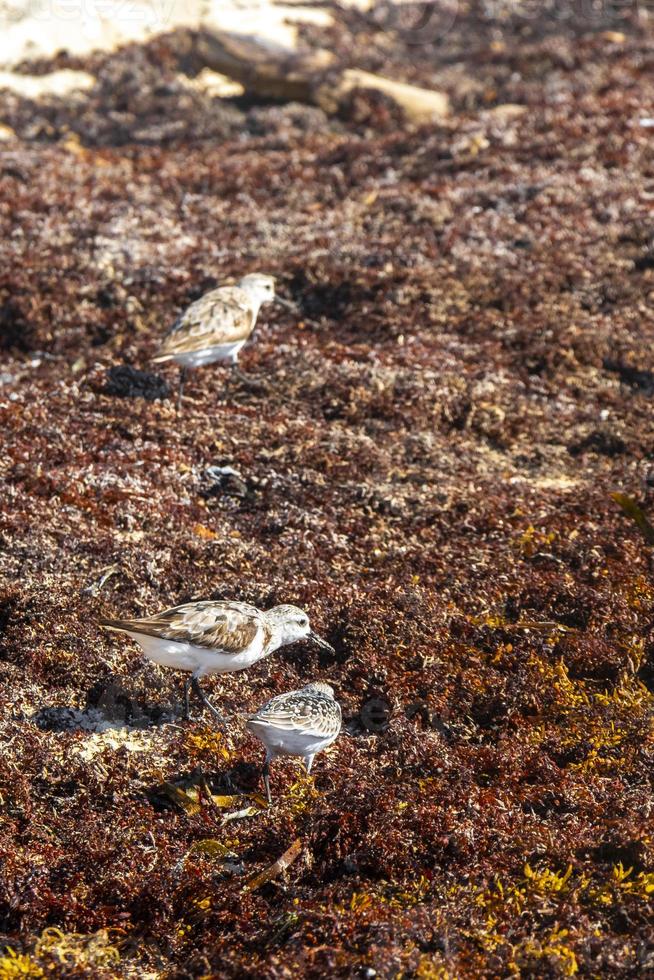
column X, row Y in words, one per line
column 272, row 72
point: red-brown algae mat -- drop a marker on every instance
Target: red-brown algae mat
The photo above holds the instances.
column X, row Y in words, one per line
column 424, row 459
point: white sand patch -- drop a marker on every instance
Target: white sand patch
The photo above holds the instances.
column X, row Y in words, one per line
column 212, row 83
column 40, row 28
column 132, row 740
column 55, row 83
column 561, row 482
column 101, row 733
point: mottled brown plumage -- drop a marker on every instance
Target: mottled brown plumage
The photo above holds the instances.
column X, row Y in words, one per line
column 226, row 627
column 311, row 710
column 221, row 318
column 216, row 326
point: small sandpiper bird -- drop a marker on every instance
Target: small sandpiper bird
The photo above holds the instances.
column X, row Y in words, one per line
column 217, row 325
column 209, row 637
column 300, row 723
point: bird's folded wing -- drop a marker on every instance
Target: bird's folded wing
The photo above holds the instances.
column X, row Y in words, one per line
column 223, row 316
column 289, row 716
column 223, row 627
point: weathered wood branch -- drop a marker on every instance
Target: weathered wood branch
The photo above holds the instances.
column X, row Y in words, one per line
column 272, row 72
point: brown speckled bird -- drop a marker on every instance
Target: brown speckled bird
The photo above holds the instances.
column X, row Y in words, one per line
column 217, row 325
column 209, row 637
column 300, row 723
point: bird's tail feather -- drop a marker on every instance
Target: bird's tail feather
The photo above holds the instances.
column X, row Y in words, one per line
column 118, row 625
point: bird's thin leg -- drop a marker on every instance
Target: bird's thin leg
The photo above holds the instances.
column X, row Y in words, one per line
column 236, row 371
column 182, row 381
column 251, row 382
column 308, row 761
column 187, row 699
column 205, row 700
column 266, row 776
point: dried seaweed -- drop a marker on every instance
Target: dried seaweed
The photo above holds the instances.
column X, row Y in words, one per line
column 425, row 455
